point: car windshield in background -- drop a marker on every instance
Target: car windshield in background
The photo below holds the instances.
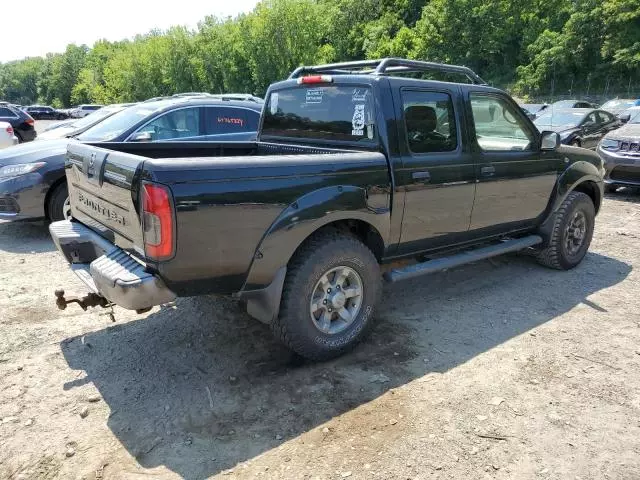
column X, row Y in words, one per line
column 556, row 119
column 94, row 117
column 618, row 104
column 634, row 115
column 117, row 124
column 321, row 112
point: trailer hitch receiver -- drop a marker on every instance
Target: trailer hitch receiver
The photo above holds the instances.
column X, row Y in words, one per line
column 89, row 300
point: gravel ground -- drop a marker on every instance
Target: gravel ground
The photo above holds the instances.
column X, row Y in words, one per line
column 499, row 370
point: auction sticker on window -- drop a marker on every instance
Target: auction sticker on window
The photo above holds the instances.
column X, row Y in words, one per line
column 357, row 122
column 314, row 95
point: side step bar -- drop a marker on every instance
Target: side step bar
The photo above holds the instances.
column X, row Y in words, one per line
column 468, row 256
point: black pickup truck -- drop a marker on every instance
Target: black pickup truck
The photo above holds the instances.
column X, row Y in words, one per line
column 356, row 165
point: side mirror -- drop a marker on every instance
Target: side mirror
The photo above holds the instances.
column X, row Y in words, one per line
column 549, row 141
column 625, row 117
column 141, row 137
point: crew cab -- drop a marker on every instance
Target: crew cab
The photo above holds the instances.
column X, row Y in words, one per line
column 356, row 166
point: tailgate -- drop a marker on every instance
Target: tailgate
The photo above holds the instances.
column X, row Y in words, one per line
column 103, row 193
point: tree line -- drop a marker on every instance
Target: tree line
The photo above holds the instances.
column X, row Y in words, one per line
column 529, row 47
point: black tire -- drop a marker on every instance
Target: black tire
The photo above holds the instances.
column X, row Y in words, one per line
column 19, row 137
column 609, row 188
column 556, row 253
column 294, row 326
column 55, row 204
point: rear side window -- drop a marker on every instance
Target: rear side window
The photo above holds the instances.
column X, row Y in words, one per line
column 499, row 125
column 230, row 120
column 337, row 113
column 180, row 123
column 429, row 122
column 5, row 112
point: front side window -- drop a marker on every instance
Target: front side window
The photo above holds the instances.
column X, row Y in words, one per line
column 327, row 112
column 605, row 117
column 591, row 119
column 182, row 123
column 498, row 125
column 429, row 122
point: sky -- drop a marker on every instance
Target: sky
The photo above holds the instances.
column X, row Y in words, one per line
column 49, row 25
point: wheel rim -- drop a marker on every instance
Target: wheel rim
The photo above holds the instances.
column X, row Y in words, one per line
column 66, row 209
column 575, row 233
column 336, row 300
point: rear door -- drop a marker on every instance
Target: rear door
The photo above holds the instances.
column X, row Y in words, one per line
column 515, row 179
column 591, row 128
column 220, row 120
column 437, row 174
column 102, row 188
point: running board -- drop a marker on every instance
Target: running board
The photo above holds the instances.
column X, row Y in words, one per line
column 468, row 256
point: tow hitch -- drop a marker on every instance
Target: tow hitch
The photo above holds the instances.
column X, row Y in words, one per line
column 89, row 300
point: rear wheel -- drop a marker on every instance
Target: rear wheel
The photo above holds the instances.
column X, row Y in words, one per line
column 332, row 287
column 18, row 136
column 59, row 206
column 571, row 233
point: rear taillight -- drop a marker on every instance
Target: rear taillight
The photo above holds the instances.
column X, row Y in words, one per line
column 30, row 121
column 10, row 130
column 311, row 79
column 157, row 221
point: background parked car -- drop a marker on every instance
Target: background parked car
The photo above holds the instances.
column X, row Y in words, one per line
column 580, row 127
column 564, row 104
column 534, row 110
column 7, row 138
column 42, row 112
column 618, row 105
column 37, row 185
column 22, row 122
column 620, row 152
column 83, row 110
column 75, row 126
column 630, row 115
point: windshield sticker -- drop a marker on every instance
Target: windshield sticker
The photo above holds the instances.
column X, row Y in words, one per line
column 357, row 122
column 273, row 106
column 314, row 95
column 359, row 95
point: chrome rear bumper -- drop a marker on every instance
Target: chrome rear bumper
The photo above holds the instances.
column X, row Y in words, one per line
column 107, row 269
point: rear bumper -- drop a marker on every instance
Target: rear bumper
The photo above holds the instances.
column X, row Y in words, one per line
column 107, row 269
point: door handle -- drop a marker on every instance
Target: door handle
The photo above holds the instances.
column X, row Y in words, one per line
column 424, row 176
column 487, row 171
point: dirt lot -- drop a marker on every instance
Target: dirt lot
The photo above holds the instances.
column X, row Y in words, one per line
column 501, row 370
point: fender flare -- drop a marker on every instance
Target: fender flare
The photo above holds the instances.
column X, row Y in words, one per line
column 298, row 221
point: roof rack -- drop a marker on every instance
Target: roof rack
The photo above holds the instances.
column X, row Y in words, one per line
column 386, row 66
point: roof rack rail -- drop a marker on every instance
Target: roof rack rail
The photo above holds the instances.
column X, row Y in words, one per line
column 384, row 66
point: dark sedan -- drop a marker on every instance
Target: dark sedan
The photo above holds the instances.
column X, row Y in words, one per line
column 580, row 127
column 620, row 152
column 32, row 178
column 22, row 123
column 40, row 112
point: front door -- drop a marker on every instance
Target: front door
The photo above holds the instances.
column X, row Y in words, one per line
column 437, row 176
column 515, row 179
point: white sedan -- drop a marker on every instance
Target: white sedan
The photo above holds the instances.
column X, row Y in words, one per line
column 7, row 138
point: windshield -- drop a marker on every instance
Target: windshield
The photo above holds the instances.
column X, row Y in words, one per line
column 556, row 119
column 321, row 112
column 117, row 124
column 634, row 115
column 618, row 103
column 94, row 117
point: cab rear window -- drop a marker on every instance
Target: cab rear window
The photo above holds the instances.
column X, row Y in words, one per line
column 331, row 112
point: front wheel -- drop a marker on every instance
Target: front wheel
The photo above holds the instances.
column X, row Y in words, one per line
column 59, row 206
column 571, row 233
column 609, row 188
column 331, row 290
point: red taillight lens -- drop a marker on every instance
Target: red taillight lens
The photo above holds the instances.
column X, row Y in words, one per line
column 310, row 79
column 157, row 221
column 10, row 130
column 30, row 121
